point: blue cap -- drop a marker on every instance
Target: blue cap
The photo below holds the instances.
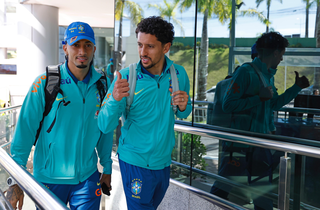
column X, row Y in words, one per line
column 254, row 49
column 111, row 59
column 77, row 31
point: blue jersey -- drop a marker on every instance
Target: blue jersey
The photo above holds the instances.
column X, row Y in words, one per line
column 147, row 136
column 66, row 155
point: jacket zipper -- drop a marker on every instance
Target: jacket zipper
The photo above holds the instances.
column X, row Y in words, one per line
column 159, row 93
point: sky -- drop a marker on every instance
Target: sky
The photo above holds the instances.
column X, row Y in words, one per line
column 287, row 18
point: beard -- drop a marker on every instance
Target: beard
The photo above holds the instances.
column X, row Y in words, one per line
column 151, row 65
column 82, row 66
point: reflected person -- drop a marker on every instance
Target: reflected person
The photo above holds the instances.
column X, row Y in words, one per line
column 251, row 104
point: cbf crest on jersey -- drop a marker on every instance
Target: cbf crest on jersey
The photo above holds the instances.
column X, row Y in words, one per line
column 136, row 187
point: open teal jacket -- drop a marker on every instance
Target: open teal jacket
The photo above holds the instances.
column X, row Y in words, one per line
column 66, row 155
column 242, row 98
column 147, row 136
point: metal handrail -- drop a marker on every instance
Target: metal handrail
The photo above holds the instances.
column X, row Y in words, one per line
column 10, row 108
column 300, row 110
column 41, row 196
column 252, row 141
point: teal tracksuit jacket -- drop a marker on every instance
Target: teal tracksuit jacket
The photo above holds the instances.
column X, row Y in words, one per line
column 66, row 155
column 147, row 136
column 242, row 98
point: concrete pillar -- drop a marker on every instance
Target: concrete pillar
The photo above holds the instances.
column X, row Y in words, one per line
column 100, row 54
column 131, row 47
column 2, row 12
column 38, row 36
column 3, row 53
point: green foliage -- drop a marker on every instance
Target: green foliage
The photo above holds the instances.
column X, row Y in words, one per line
column 176, row 46
column 218, row 68
column 199, row 149
column 168, row 11
column 298, row 45
column 214, row 46
column 217, row 64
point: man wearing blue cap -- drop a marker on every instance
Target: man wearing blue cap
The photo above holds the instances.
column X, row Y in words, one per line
column 65, row 158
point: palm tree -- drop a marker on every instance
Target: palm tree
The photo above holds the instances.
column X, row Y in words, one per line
column 221, row 9
column 135, row 15
column 205, row 7
column 308, row 5
column 168, row 11
column 258, row 2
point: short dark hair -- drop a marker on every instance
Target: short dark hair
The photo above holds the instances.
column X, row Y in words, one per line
column 269, row 42
column 155, row 25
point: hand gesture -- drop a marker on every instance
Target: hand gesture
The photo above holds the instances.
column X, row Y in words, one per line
column 266, row 93
column 180, row 98
column 121, row 88
column 106, row 179
column 15, row 195
column 302, row 82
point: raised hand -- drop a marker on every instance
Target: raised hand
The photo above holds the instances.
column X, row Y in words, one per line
column 121, row 88
column 180, row 98
column 302, row 82
column 266, row 93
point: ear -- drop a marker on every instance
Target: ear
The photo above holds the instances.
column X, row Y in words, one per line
column 166, row 47
column 94, row 50
column 276, row 53
column 65, row 49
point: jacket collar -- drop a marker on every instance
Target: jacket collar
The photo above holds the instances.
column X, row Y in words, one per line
column 92, row 79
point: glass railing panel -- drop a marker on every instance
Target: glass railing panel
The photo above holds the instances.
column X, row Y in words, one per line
column 305, row 183
column 8, row 121
column 236, row 172
column 248, row 175
column 181, row 153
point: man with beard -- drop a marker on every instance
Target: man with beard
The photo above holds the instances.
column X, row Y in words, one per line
column 65, row 157
column 147, row 136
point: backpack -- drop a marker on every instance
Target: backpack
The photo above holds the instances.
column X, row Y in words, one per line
column 132, row 85
column 216, row 115
column 52, row 88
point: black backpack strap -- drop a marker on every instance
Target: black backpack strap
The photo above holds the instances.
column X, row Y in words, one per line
column 52, row 88
column 102, row 85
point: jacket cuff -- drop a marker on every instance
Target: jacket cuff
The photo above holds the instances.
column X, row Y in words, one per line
column 107, row 169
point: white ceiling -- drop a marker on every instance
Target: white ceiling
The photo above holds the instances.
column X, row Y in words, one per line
column 98, row 13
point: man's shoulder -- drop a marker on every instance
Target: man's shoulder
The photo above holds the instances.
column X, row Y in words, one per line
column 125, row 71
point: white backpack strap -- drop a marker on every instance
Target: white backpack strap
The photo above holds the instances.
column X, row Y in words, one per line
column 257, row 70
column 132, row 85
column 175, row 85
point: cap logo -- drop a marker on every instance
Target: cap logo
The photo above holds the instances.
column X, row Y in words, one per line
column 81, row 28
column 73, row 39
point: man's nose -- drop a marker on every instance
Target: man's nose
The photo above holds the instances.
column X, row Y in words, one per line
column 82, row 50
column 143, row 51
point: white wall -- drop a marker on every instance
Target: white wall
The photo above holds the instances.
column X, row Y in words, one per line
column 37, row 47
